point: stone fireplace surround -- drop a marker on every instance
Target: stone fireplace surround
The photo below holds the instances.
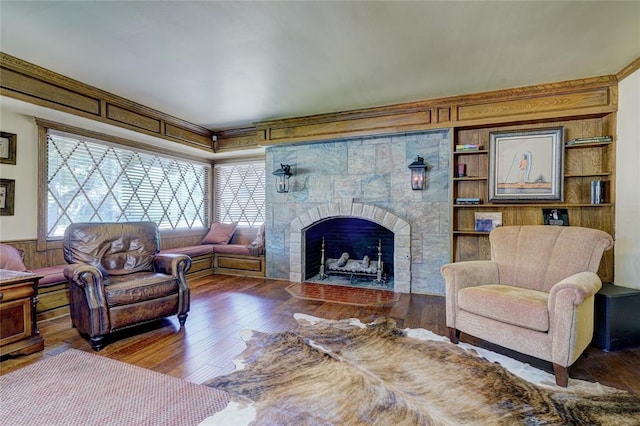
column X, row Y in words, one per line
column 392, row 222
column 371, row 171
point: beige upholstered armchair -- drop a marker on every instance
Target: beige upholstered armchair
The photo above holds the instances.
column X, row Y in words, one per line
column 117, row 279
column 534, row 296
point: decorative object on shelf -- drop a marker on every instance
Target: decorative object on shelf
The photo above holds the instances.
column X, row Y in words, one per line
column 526, row 165
column 557, row 217
column 468, row 147
column 595, row 139
column 8, row 146
column 418, row 173
column 487, row 221
column 282, row 178
column 597, row 192
column 467, row 200
column 461, row 170
column 7, row 196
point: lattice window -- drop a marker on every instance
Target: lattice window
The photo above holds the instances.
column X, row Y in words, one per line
column 94, row 181
column 239, row 193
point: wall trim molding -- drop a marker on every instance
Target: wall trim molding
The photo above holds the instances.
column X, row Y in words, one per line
column 30, row 83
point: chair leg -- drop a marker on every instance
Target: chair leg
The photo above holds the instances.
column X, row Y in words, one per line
column 97, row 343
column 182, row 318
column 562, row 375
column 454, row 335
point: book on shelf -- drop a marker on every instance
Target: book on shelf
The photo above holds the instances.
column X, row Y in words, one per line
column 487, row 221
column 468, row 147
column 557, row 217
column 594, row 139
column 467, row 200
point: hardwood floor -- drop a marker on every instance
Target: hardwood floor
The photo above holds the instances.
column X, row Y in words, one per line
column 221, row 306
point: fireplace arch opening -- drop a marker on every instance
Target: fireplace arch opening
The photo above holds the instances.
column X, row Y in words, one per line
column 396, row 232
column 347, row 250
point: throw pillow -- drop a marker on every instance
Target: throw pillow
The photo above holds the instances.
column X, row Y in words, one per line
column 365, row 261
column 11, row 258
column 220, row 233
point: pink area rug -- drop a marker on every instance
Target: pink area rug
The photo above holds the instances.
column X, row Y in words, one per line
column 79, row 388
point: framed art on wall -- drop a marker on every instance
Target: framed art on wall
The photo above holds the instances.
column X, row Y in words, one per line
column 8, row 147
column 7, row 196
column 526, row 166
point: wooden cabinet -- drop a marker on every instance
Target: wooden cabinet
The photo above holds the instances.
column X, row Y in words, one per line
column 19, row 333
column 582, row 164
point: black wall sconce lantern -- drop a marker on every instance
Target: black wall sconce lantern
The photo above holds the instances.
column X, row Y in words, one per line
column 418, row 173
column 282, row 178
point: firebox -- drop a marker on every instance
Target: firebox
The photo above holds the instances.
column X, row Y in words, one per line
column 363, row 250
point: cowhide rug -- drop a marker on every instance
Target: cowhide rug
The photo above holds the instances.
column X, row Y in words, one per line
column 347, row 373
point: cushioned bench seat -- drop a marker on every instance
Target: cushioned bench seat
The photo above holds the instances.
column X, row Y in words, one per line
column 53, row 292
column 232, row 249
column 52, row 275
column 225, row 250
column 203, row 249
column 192, row 251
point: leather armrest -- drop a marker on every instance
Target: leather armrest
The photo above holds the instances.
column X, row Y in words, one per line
column 172, row 264
column 83, row 275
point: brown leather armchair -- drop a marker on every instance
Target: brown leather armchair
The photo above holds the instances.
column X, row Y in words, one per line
column 118, row 280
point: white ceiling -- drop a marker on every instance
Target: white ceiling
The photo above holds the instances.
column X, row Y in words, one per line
column 224, row 64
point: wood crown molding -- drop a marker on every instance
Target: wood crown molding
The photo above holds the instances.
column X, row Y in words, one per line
column 628, row 70
column 31, row 83
column 587, row 96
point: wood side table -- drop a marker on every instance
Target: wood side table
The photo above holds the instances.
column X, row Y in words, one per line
column 19, row 334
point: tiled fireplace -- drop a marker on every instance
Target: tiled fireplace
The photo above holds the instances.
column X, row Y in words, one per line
column 365, row 179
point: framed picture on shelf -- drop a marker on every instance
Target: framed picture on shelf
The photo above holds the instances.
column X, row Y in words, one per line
column 526, row 166
column 487, row 221
column 8, row 145
column 7, row 196
column 558, row 217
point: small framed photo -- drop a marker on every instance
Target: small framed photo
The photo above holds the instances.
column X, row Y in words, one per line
column 8, row 145
column 526, row 166
column 557, row 217
column 487, row 221
column 7, row 196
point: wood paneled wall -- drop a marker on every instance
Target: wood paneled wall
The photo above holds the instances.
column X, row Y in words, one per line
column 31, row 83
column 596, row 96
column 590, row 96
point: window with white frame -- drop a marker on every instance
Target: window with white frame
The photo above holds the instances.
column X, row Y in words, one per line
column 239, row 194
column 89, row 180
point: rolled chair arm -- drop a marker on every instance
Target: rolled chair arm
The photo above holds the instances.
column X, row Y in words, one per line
column 83, row 275
column 469, row 274
column 172, row 264
column 570, row 306
column 88, row 303
column 574, row 289
column 465, row 274
column 177, row 265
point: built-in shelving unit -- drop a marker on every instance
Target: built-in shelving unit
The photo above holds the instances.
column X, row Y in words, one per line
column 582, row 164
